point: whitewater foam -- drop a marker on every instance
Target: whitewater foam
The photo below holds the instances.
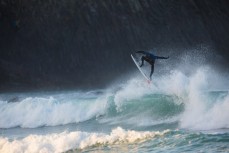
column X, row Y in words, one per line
column 200, row 116
column 200, row 113
column 74, row 140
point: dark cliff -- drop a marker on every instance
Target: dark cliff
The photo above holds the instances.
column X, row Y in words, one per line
column 86, row 43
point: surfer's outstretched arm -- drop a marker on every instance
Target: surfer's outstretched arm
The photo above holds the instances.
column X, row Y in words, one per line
column 161, row 57
column 143, row 52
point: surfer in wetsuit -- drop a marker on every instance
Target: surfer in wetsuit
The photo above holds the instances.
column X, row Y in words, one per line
column 150, row 58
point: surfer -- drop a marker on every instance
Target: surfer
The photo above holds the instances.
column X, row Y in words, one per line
column 150, row 58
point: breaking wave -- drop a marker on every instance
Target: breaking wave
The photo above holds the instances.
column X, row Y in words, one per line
column 189, row 100
column 75, row 140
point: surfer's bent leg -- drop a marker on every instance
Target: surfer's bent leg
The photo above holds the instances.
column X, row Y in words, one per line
column 152, row 70
column 143, row 58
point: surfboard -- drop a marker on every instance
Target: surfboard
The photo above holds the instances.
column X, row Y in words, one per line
column 139, row 68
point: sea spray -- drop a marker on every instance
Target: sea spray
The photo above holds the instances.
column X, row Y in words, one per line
column 200, row 113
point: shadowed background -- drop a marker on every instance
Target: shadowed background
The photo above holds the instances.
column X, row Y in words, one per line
column 56, row 44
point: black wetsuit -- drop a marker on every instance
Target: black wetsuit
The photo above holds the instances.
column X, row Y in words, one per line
column 150, row 58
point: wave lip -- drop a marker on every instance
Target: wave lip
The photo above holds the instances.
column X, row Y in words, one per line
column 75, row 140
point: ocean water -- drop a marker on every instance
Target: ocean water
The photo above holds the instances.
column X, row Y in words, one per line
column 177, row 112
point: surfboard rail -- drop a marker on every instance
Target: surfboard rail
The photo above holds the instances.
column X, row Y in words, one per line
column 139, row 68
